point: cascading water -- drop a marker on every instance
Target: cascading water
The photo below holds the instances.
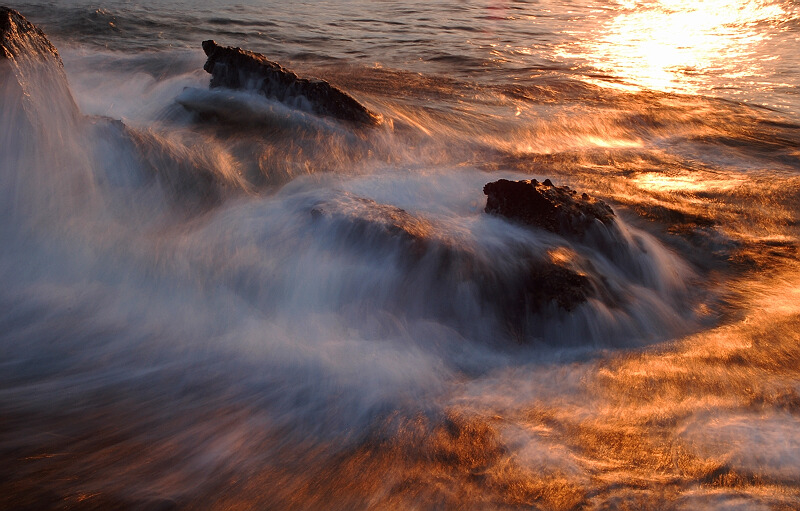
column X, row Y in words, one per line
column 213, row 299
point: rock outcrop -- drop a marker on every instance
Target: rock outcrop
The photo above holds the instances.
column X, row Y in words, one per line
column 235, row 68
column 36, row 109
column 20, row 38
column 557, row 209
column 33, row 85
column 31, row 69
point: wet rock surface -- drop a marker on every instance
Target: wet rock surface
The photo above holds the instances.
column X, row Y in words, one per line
column 235, row 68
column 36, row 108
column 557, row 209
column 32, row 69
column 19, row 37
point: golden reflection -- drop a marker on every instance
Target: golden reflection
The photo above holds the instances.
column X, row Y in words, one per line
column 561, row 255
column 680, row 45
column 690, row 183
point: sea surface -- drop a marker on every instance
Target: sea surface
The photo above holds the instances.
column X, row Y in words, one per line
column 210, row 300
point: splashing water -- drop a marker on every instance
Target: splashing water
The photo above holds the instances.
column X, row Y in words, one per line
column 213, row 300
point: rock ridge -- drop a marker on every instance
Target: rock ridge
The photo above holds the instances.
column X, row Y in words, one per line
column 235, row 68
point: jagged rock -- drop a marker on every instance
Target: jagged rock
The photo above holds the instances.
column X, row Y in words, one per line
column 36, row 110
column 557, row 209
column 32, row 70
column 235, row 68
column 19, row 37
column 33, row 85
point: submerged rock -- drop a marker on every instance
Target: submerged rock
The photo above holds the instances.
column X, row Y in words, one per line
column 447, row 277
column 361, row 220
column 235, row 68
column 557, row 209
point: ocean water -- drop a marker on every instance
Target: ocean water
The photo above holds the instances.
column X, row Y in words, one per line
column 211, row 300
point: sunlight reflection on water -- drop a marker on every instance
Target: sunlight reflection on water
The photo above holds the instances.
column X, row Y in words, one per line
column 684, row 46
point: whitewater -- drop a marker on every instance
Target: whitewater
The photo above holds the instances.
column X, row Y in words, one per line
column 220, row 298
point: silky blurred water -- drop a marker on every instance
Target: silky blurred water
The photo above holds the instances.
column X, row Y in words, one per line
column 212, row 300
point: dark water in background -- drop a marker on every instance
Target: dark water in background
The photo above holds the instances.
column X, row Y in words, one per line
column 736, row 50
column 199, row 340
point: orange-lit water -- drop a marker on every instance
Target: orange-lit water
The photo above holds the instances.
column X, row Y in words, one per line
column 215, row 305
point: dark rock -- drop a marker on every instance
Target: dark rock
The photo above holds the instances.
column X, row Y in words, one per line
column 32, row 70
column 19, row 37
column 36, row 110
column 33, row 84
column 235, row 68
column 556, row 209
column 546, row 282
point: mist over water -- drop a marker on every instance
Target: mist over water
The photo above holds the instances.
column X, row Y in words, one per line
column 211, row 299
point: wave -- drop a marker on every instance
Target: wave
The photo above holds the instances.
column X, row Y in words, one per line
column 345, row 248
column 212, row 297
